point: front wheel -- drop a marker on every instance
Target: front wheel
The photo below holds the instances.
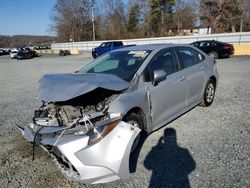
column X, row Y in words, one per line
column 209, row 93
column 137, row 121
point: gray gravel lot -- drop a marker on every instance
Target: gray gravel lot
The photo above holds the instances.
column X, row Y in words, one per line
column 211, row 147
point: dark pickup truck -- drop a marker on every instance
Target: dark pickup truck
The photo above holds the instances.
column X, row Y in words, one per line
column 106, row 47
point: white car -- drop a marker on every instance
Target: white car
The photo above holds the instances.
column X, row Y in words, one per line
column 13, row 53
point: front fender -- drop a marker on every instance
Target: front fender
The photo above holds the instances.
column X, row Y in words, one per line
column 106, row 160
column 127, row 101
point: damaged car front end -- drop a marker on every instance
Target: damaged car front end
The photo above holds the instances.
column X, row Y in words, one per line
column 87, row 153
column 89, row 143
column 92, row 120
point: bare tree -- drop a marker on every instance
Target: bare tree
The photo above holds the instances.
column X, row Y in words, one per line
column 115, row 19
column 18, row 41
column 220, row 15
column 185, row 15
column 245, row 16
column 72, row 20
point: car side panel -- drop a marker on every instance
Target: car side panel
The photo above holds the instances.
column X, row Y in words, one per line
column 195, row 79
column 167, row 98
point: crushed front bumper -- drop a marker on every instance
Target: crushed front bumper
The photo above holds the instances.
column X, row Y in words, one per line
column 104, row 161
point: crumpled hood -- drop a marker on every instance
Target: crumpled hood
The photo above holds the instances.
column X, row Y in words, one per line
column 62, row 87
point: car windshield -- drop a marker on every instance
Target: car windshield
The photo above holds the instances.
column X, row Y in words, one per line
column 123, row 64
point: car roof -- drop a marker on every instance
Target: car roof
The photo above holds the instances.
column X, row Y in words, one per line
column 215, row 41
column 145, row 47
column 112, row 41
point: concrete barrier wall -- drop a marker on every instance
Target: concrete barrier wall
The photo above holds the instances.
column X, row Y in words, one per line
column 56, row 51
column 49, row 51
column 242, row 49
column 232, row 38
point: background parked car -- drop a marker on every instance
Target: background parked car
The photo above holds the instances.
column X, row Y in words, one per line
column 215, row 48
column 34, row 53
column 24, row 55
column 13, row 53
column 106, row 47
column 4, row 52
column 64, row 52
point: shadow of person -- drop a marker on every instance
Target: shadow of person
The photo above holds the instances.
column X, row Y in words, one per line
column 170, row 164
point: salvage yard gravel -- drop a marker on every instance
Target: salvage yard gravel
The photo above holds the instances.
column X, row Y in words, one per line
column 206, row 147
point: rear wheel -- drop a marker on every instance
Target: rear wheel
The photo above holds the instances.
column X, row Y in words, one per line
column 137, row 121
column 209, row 93
column 213, row 54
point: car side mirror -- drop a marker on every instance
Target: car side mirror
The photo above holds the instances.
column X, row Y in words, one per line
column 159, row 75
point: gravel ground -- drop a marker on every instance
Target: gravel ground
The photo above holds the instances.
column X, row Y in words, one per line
column 206, row 147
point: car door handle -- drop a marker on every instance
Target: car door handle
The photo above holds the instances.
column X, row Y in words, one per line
column 202, row 68
column 182, row 78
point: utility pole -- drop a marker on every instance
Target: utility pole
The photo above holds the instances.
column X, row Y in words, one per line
column 93, row 20
column 162, row 22
column 210, row 22
column 162, row 8
column 241, row 24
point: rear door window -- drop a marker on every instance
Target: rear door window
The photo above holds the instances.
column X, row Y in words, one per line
column 189, row 56
column 203, row 44
column 117, row 43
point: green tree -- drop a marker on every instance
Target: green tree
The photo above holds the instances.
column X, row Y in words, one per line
column 159, row 10
column 134, row 18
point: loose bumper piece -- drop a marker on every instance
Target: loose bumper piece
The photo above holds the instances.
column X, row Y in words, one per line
column 104, row 161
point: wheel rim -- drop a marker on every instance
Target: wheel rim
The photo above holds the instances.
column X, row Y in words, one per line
column 137, row 139
column 213, row 54
column 210, row 93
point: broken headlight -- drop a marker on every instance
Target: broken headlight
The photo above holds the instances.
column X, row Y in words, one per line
column 100, row 106
column 100, row 131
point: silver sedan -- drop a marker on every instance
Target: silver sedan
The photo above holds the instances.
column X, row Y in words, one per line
column 92, row 120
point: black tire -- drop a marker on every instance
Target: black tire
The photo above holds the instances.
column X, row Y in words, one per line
column 95, row 55
column 139, row 119
column 214, row 54
column 209, row 93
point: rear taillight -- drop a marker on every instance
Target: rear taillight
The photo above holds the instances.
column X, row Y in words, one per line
column 226, row 47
